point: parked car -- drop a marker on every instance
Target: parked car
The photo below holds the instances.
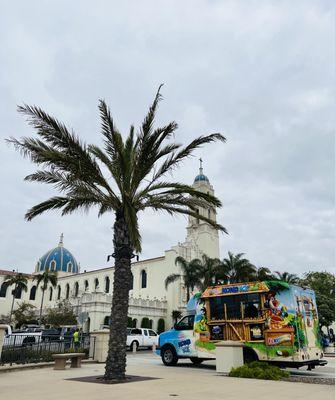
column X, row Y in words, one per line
column 51, row 335
column 21, row 338
column 140, row 337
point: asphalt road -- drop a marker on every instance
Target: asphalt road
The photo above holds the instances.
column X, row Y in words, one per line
column 146, row 357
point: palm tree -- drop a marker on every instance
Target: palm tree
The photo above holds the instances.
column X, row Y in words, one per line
column 211, row 271
column 238, row 269
column 264, row 274
column 20, row 282
column 44, row 279
column 190, row 273
column 287, row 277
column 123, row 177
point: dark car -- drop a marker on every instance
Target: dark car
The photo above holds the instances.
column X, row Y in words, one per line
column 51, row 335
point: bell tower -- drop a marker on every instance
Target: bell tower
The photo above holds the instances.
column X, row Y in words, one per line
column 199, row 233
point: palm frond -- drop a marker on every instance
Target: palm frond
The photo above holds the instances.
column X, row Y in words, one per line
column 170, row 279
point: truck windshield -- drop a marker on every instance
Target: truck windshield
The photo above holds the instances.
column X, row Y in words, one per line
column 235, row 306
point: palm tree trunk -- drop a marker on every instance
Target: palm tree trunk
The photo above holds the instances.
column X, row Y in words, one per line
column 11, row 309
column 187, row 293
column 41, row 306
column 123, row 250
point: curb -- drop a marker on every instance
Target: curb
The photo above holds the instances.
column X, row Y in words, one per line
column 22, row 367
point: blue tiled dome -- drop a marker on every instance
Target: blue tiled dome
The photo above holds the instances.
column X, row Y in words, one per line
column 201, row 178
column 58, row 259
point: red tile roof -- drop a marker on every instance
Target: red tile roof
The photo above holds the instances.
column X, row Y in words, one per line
column 7, row 272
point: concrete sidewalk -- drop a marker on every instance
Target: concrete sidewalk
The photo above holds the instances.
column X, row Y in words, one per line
column 186, row 383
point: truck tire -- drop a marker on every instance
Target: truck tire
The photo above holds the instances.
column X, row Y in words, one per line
column 169, row 356
column 249, row 355
column 196, row 360
column 133, row 344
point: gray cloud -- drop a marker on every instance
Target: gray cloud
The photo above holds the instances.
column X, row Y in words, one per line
column 261, row 72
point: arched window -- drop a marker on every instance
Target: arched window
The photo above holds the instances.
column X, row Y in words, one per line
column 69, row 266
column 32, row 295
column 50, row 293
column 86, row 285
column 96, row 283
column 59, row 292
column 53, row 265
column 107, row 320
column 3, row 289
column 76, row 289
column 134, row 322
column 143, row 279
column 67, row 291
column 107, row 284
column 131, row 286
column 151, row 323
column 197, row 211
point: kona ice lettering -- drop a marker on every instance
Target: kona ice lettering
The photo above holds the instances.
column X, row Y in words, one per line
column 184, row 345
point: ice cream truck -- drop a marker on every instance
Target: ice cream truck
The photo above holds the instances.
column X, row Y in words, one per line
column 274, row 321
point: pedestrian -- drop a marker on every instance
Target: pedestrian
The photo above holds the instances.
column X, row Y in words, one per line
column 76, row 339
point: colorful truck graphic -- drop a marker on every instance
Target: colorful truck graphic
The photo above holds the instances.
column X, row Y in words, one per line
column 276, row 322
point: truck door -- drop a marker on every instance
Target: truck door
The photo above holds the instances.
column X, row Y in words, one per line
column 184, row 340
column 146, row 338
column 153, row 337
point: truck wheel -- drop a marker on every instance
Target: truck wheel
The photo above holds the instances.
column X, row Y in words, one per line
column 196, row 360
column 134, row 344
column 249, row 355
column 169, row 356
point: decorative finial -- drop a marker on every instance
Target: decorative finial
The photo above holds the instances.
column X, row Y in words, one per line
column 61, row 240
column 201, row 170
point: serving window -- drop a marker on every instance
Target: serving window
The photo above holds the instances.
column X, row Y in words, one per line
column 235, row 307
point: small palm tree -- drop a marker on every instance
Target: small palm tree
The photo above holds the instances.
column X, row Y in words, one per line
column 211, row 272
column 123, row 177
column 239, row 269
column 287, row 277
column 44, row 279
column 264, row 274
column 20, row 282
column 190, row 273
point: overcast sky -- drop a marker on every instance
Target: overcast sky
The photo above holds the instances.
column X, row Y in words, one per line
column 260, row 72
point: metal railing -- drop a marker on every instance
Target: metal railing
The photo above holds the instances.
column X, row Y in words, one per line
column 34, row 349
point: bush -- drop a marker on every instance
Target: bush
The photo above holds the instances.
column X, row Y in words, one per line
column 259, row 370
column 145, row 323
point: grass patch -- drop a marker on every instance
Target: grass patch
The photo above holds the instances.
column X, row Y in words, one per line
column 259, row 370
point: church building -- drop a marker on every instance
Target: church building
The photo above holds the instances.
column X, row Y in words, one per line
column 90, row 292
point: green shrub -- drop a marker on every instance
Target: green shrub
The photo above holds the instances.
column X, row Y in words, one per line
column 259, row 370
column 145, row 323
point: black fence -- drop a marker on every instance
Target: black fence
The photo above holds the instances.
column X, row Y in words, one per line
column 19, row 349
